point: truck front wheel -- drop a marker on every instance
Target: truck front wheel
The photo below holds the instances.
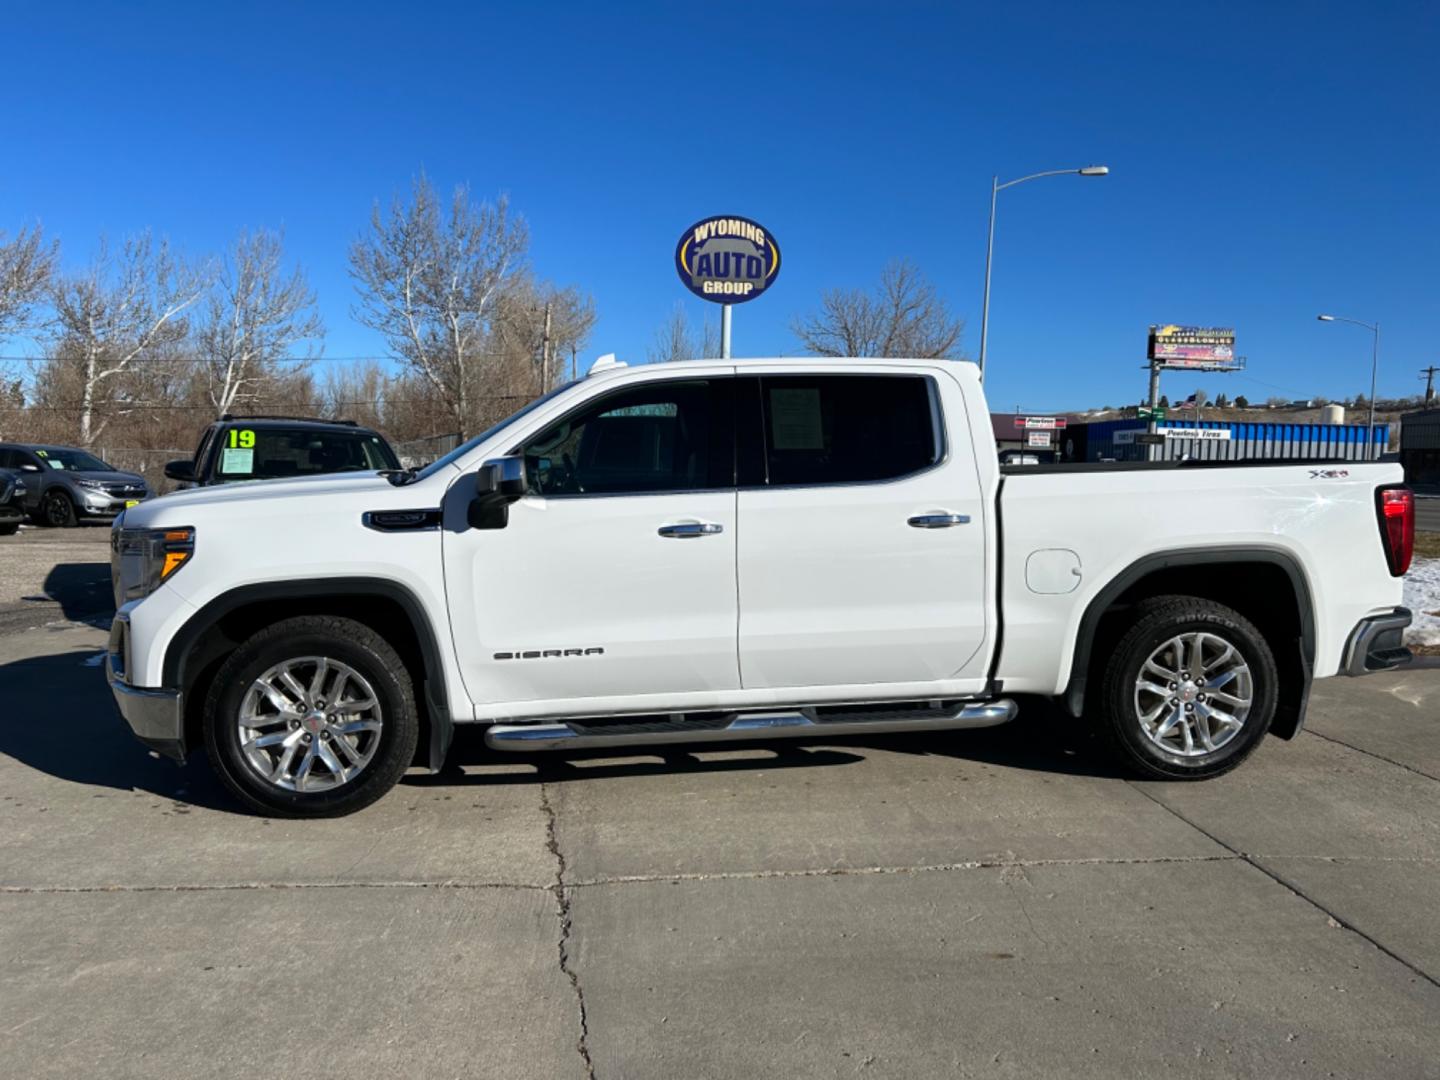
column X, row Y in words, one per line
column 312, row 717
column 1189, row 691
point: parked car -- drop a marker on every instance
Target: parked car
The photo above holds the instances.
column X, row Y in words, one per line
column 750, row 549
column 12, row 495
column 64, row 483
column 240, row 448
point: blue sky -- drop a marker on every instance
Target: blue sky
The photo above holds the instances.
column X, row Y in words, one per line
column 1268, row 161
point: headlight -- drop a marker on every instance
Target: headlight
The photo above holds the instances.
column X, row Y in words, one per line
column 141, row 560
column 20, row 487
column 93, row 485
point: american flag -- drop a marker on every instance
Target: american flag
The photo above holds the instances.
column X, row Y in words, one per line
column 1188, row 403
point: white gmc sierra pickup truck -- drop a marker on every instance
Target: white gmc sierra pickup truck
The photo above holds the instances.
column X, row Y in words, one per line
column 748, row 549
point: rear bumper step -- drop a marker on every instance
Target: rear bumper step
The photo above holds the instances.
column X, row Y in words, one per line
column 1377, row 644
column 781, row 724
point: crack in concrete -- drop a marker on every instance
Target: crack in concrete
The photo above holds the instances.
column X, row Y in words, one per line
column 562, row 911
column 720, row 875
column 867, row 871
column 1253, row 860
column 268, row 886
column 1372, row 753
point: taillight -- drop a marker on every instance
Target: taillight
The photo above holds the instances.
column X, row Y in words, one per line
column 1395, row 507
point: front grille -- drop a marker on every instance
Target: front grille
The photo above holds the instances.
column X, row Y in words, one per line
column 128, row 490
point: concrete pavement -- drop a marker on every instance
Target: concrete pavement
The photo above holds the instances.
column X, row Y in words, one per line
column 977, row 904
column 51, row 575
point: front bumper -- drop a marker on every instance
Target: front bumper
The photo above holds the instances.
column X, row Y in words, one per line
column 105, row 506
column 156, row 716
column 11, row 514
column 1377, row 643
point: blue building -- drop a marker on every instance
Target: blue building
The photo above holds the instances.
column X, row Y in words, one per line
column 1230, row 440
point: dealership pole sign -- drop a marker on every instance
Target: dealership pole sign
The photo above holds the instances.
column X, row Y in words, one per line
column 727, row 260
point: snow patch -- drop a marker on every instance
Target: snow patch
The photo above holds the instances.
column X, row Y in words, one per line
column 1422, row 596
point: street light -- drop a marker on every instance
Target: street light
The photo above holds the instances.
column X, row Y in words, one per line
column 995, row 188
column 1374, row 369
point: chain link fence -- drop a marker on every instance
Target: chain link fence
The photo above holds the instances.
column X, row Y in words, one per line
column 415, row 453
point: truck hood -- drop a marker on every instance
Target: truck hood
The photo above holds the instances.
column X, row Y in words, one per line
column 301, row 487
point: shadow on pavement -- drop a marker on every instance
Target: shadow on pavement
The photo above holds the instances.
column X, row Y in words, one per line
column 1041, row 739
column 81, row 589
column 58, row 718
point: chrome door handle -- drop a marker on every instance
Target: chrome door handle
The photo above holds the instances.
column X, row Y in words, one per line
column 939, row 521
column 684, row 530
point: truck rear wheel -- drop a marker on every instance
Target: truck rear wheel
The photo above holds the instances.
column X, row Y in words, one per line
column 312, row 717
column 1189, row 691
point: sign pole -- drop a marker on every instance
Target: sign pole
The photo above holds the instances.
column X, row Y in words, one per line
column 725, row 331
column 1154, row 405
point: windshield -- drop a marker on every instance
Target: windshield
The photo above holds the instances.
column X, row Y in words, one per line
column 465, row 447
column 64, row 460
column 270, row 453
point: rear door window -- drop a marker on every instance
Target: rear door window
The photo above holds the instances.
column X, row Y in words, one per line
column 848, row 429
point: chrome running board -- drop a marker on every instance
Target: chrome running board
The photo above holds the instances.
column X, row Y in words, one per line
column 787, row 724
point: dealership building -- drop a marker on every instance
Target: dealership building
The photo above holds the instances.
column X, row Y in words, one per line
column 1205, row 440
column 1223, row 440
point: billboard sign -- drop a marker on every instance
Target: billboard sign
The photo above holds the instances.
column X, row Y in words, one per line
column 1040, row 423
column 1192, row 346
column 727, row 260
column 1038, row 439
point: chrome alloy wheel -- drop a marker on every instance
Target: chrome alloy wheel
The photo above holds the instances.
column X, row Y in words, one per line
column 309, row 724
column 1193, row 694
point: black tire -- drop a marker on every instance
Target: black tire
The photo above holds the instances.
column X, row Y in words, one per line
column 10, row 529
column 1155, row 622
column 349, row 642
column 58, row 511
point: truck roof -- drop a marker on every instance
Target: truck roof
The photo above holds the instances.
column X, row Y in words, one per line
column 288, row 421
column 758, row 361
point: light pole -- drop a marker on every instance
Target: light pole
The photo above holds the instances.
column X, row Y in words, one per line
column 995, row 188
column 1374, row 370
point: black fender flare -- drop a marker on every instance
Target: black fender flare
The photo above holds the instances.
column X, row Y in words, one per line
column 436, row 698
column 1288, row 722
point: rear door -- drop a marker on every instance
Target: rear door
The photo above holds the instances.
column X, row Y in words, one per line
column 862, row 547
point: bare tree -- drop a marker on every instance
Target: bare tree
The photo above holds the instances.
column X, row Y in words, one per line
column 677, row 340
column 124, row 308
column 429, row 280
column 904, row 317
column 26, row 266
column 536, row 324
column 255, row 316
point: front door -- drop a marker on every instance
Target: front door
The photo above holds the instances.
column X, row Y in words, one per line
column 862, row 547
column 612, row 585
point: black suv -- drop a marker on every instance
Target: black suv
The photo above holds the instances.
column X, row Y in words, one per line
column 12, row 495
column 236, row 448
column 64, row 483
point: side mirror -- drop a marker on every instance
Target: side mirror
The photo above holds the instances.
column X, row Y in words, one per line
column 28, row 467
column 184, row 470
column 498, row 483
